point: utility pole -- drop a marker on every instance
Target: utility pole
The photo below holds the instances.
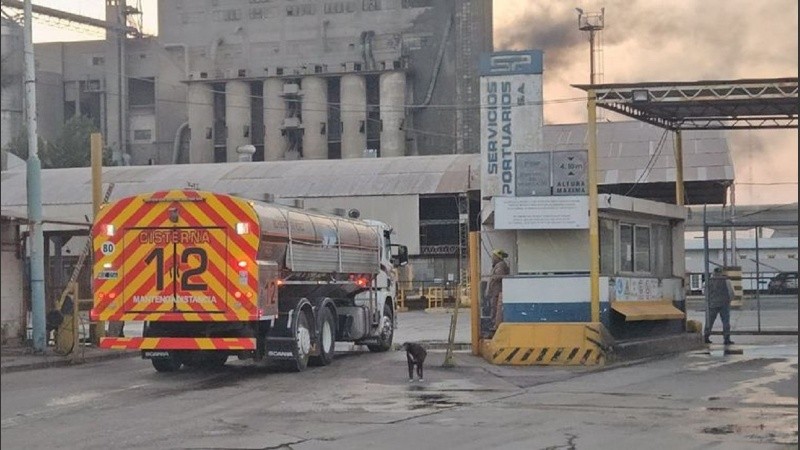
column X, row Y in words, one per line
column 34, row 187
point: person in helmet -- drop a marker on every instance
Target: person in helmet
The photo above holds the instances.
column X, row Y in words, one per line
column 494, row 289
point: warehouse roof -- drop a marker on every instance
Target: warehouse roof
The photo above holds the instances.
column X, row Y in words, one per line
column 312, row 178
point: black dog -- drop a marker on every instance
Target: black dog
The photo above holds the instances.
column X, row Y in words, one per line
column 415, row 354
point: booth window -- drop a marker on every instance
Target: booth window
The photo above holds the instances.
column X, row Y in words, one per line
column 607, row 246
column 641, row 249
column 625, row 247
column 662, row 251
column 634, row 248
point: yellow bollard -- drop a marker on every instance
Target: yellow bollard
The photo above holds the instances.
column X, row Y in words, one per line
column 735, row 275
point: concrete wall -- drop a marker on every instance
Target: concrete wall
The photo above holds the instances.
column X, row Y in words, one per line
column 12, row 312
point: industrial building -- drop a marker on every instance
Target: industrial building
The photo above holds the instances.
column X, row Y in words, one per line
column 297, row 80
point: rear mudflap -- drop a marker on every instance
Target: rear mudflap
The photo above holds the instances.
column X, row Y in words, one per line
column 281, row 347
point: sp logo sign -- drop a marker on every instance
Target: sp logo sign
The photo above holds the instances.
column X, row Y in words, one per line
column 512, row 63
column 509, row 63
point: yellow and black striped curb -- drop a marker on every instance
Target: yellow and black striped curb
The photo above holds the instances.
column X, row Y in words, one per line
column 568, row 344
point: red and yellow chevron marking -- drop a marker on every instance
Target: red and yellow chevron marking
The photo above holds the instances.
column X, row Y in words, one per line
column 176, row 256
column 175, row 343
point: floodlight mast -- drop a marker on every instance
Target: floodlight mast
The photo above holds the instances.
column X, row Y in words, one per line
column 591, row 22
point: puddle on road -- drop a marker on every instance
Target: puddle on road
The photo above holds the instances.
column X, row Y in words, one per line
column 765, row 425
column 725, row 429
column 764, row 407
column 433, row 401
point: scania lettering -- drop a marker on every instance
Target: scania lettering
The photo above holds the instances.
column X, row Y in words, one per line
column 213, row 276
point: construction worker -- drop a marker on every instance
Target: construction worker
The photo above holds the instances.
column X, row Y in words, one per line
column 494, row 289
column 720, row 295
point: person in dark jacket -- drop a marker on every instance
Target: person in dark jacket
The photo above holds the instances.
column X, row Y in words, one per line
column 720, row 295
column 494, row 289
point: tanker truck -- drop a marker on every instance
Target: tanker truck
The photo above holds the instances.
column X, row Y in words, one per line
column 214, row 276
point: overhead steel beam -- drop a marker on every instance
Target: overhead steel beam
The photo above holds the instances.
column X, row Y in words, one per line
column 77, row 18
column 705, row 105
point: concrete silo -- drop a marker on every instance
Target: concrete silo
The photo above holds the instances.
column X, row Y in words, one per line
column 392, row 110
column 315, row 117
column 275, row 144
column 354, row 115
column 201, row 123
column 237, row 117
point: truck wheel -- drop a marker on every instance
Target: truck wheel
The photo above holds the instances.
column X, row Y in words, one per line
column 169, row 364
column 302, row 342
column 386, row 331
column 327, row 340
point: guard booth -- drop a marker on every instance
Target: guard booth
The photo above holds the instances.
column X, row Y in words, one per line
column 586, row 269
column 546, row 300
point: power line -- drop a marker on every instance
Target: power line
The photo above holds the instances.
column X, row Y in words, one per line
column 651, row 162
column 110, row 72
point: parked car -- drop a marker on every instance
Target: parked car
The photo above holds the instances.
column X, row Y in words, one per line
column 783, row 283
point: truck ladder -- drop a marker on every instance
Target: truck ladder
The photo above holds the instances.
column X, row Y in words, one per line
column 62, row 335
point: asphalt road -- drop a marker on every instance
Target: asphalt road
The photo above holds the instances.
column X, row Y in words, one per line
column 363, row 400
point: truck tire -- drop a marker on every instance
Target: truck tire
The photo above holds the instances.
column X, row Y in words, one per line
column 169, row 364
column 302, row 342
column 327, row 339
column 386, row 333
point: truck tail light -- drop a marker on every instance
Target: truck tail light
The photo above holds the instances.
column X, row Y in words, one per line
column 93, row 316
column 108, row 229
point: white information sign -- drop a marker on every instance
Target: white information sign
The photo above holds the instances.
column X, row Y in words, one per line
column 541, row 213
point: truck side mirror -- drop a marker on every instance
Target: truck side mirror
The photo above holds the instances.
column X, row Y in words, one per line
column 400, row 255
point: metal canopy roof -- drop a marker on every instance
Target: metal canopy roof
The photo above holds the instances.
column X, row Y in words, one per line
column 704, row 105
